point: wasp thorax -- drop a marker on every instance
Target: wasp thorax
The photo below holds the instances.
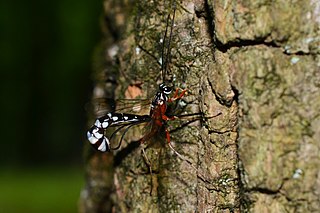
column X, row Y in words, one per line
column 165, row 89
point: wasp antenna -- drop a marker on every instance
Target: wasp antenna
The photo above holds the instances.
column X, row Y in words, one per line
column 163, row 62
column 167, row 60
column 199, row 174
column 165, row 53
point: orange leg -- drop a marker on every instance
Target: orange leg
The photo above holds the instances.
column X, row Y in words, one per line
column 181, row 94
column 166, row 118
column 176, row 95
column 163, row 111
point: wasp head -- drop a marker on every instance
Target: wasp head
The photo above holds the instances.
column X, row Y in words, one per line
column 165, row 89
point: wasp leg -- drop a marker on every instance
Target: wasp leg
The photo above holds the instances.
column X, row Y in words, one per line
column 171, row 147
column 166, row 118
column 176, row 95
column 167, row 135
column 199, row 174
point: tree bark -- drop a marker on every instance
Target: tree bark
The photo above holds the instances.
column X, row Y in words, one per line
column 255, row 64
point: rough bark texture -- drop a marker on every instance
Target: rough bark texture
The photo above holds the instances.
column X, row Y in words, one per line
column 255, row 62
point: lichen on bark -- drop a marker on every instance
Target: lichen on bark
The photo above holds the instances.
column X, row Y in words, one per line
column 273, row 52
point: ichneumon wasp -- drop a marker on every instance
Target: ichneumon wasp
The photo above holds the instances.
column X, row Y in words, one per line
column 159, row 113
column 157, row 117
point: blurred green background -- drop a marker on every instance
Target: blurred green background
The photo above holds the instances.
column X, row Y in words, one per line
column 46, row 54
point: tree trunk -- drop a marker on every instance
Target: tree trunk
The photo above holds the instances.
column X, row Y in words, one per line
column 255, row 64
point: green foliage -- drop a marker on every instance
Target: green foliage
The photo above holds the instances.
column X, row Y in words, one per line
column 44, row 190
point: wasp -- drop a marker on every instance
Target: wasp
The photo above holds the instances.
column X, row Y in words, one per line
column 159, row 114
column 157, row 118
